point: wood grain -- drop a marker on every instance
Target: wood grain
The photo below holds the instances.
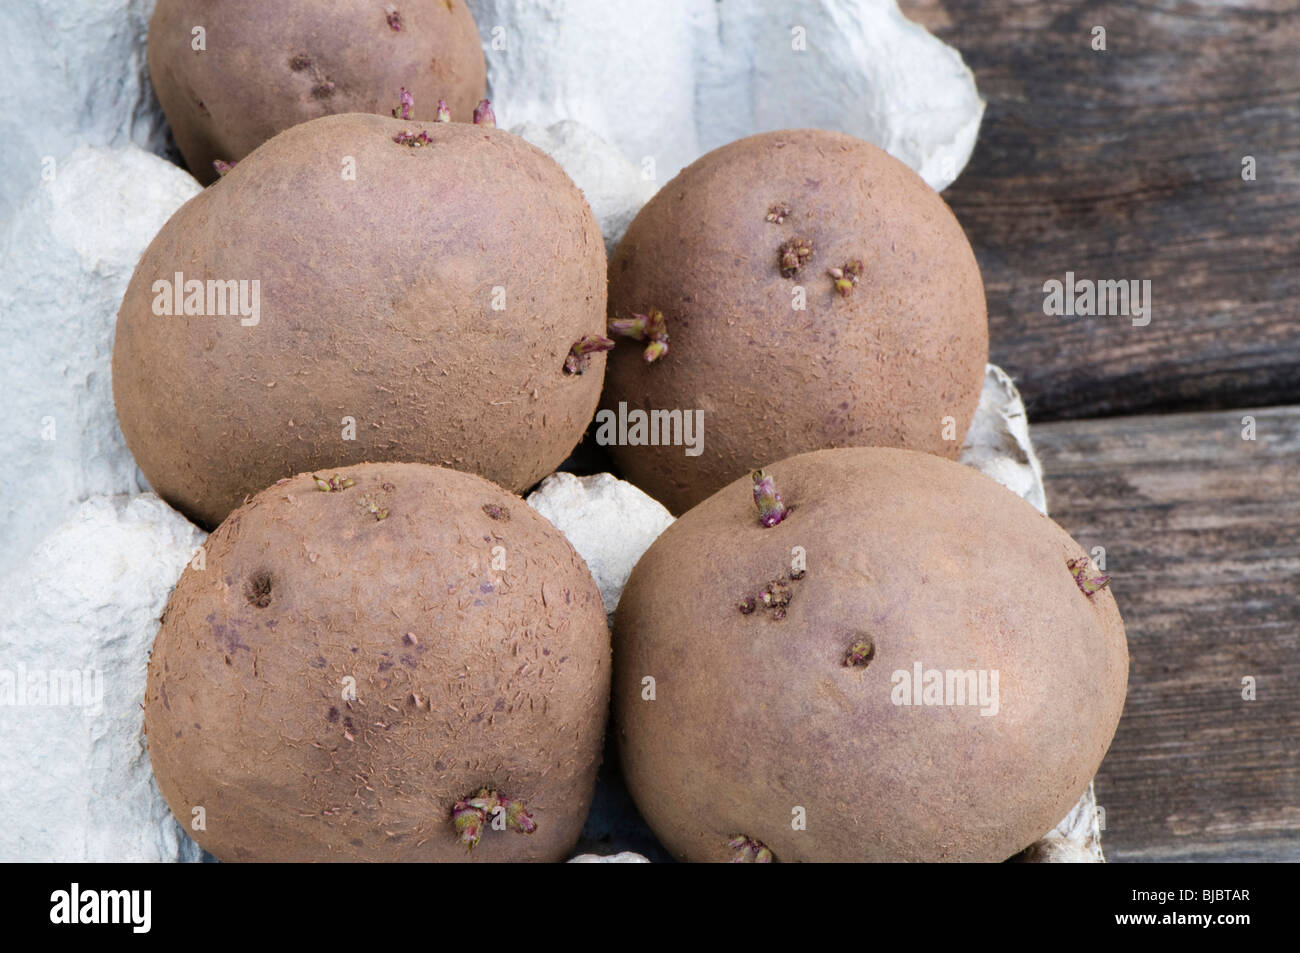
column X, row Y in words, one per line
column 1127, row 164
column 1202, row 535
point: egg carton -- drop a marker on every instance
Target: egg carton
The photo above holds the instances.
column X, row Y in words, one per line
column 89, row 178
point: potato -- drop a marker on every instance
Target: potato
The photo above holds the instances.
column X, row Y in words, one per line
column 362, row 650
column 265, row 67
column 764, row 676
column 405, row 302
column 780, row 355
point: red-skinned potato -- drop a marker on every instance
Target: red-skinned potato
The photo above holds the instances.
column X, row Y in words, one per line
column 375, row 663
column 264, row 67
column 805, row 290
column 419, row 288
column 767, row 661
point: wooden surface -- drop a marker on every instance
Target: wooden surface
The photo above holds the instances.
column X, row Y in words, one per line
column 1127, row 164
column 1202, row 535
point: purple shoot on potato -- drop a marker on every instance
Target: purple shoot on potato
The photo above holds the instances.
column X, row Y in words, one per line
column 1088, row 579
column 847, row 277
column 333, row 485
column 373, row 508
column 406, row 103
column 517, row 818
column 860, row 653
column 777, row 213
column 469, row 815
column 741, row 849
column 483, row 114
column 411, row 139
column 793, row 255
column 770, row 508
column 444, row 112
column 656, row 327
column 777, row 594
column 223, row 167
column 651, row 327
column 746, row 850
column 394, row 18
column 469, row 823
column 579, row 354
column 485, row 801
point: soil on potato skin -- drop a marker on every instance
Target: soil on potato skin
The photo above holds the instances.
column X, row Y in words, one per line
column 419, row 311
column 757, row 716
column 782, row 365
column 476, row 646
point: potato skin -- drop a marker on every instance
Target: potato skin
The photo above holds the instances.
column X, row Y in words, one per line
column 377, row 304
column 934, row 563
column 244, row 711
column 269, row 66
column 882, row 366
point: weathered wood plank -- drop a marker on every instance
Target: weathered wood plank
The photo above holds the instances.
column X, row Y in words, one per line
column 1128, row 164
column 1202, row 534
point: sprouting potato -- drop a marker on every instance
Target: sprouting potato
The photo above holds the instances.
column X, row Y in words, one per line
column 232, row 74
column 804, row 290
column 907, row 663
column 364, row 288
column 381, row 662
